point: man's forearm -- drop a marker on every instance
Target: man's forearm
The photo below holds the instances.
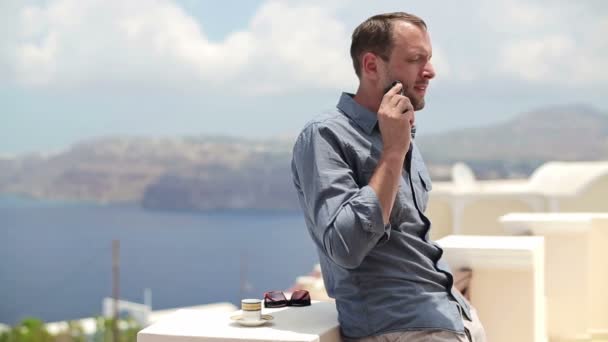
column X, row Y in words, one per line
column 385, row 181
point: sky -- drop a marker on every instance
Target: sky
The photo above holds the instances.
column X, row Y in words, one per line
column 71, row 70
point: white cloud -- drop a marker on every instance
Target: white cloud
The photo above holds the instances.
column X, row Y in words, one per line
column 537, row 59
column 442, row 68
column 71, row 43
column 517, row 16
column 549, row 43
column 303, row 45
column 287, row 45
column 557, row 59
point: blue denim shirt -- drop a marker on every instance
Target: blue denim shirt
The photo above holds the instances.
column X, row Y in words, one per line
column 384, row 278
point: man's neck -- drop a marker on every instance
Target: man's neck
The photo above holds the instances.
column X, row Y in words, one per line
column 367, row 99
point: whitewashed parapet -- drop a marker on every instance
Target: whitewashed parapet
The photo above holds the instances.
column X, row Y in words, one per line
column 599, row 277
column 576, row 270
column 507, row 287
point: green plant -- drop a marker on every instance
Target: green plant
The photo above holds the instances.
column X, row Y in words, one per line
column 33, row 330
column 29, row 330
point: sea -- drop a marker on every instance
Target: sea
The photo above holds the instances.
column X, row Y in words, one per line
column 56, row 257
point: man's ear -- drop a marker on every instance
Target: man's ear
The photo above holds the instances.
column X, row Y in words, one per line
column 370, row 64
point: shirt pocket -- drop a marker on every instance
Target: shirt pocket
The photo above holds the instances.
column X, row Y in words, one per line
column 403, row 205
column 403, row 208
column 423, row 172
column 427, row 185
column 426, row 180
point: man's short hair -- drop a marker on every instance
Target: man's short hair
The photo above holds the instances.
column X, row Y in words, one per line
column 376, row 35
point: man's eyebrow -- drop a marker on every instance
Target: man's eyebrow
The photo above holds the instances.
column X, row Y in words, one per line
column 420, row 52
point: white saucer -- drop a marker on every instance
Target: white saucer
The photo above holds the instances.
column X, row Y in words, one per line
column 251, row 323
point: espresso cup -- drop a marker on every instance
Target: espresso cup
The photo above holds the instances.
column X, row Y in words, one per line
column 252, row 309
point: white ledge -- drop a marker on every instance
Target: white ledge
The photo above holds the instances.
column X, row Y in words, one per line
column 492, row 252
column 549, row 223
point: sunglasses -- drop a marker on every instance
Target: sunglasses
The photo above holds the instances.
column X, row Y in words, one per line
column 277, row 299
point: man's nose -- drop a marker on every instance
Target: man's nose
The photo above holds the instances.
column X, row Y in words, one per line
column 429, row 71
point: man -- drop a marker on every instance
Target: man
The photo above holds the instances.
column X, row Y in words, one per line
column 363, row 188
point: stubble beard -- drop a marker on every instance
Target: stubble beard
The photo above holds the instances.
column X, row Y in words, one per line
column 417, row 103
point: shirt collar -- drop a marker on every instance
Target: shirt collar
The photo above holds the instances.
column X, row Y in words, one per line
column 365, row 118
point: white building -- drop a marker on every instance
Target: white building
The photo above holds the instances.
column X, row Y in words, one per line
column 471, row 207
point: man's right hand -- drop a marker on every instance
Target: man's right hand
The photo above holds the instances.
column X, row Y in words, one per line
column 395, row 119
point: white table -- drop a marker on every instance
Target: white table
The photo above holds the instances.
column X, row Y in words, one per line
column 317, row 322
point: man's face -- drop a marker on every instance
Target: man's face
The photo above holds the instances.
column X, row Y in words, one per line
column 409, row 62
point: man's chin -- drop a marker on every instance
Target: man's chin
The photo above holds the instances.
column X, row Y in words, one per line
column 419, row 104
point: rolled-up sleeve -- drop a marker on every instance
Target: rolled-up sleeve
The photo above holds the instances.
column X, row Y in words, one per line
column 344, row 218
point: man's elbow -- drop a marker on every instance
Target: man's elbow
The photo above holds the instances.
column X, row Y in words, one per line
column 345, row 241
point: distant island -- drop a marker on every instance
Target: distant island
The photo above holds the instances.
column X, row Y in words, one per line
column 210, row 172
